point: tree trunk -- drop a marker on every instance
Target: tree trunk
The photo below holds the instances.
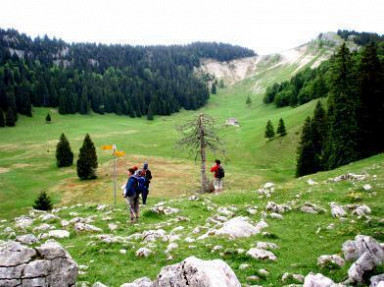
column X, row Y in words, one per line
column 204, row 184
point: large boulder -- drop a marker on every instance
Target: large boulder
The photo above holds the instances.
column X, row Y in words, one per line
column 368, row 253
column 47, row 265
column 141, row 282
column 194, row 272
column 318, row 280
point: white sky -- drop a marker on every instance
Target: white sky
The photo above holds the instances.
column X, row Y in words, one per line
column 266, row 26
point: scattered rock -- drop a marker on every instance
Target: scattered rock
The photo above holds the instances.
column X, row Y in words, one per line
column 292, row 277
column 27, row 239
column 348, row 176
column 99, row 284
column 376, row 280
column 141, row 282
column 244, row 266
column 368, row 253
column 236, row 228
column 252, row 211
column 42, row 227
column 143, row 252
column 48, row 217
column 87, row 227
column 153, row 235
column 193, row 198
column 311, row 208
column 253, row 278
column 266, row 245
column 171, row 247
column 330, row 260
column 275, row 215
column 194, row 272
column 59, row 234
column 113, row 226
column 102, row 207
column 278, row 208
column 263, row 272
column 337, row 210
column 189, row 240
column 361, row 210
column 367, row 187
column 318, row 280
column 262, row 254
column 311, row 182
column 267, row 189
column 23, row 222
column 160, row 209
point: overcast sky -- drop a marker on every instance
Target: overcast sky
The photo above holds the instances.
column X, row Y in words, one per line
column 266, row 26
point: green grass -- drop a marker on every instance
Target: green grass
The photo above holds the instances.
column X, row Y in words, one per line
column 27, row 152
column 301, row 237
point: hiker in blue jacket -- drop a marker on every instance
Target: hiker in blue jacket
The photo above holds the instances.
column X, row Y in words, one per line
column 132, row 196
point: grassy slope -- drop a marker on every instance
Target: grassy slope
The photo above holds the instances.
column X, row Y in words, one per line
column 301, row 237
column 27, row 152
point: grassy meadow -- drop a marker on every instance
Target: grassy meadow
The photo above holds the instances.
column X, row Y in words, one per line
column 27, row 152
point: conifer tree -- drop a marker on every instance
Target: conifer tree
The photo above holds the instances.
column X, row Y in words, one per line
column 281, row 128
column 371, row 96
column 64, row 154
column 306, row 156
column 341, row 146
column 248, row 102
column 48, row 118
column 269, row 130
column 150, row 113
column 213, row 89
column 319, row 132
column 43, row 202
column 87, row 162
column 10, row 117
column 2, row 120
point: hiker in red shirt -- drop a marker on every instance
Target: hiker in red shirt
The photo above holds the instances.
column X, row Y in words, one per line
column 218, row 175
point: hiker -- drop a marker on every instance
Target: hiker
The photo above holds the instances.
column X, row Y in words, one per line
column 147, row 174
column 132, row 195
column 218, row 176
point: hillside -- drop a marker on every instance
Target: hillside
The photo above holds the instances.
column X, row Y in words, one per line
column 294, row 218
column 309, row 55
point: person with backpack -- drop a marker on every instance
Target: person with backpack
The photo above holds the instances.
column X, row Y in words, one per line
column 147, row 174
column 132, row 195
column 218, row 176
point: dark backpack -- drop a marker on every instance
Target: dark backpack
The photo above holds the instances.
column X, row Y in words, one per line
column 220, row 172
column 141, row 184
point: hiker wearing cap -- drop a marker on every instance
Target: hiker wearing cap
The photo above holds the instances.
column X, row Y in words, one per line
column 218, row 175
column 132, row 196
column 146, row 172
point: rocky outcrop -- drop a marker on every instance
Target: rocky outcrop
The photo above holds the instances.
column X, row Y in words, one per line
column 47, row 265
column 337, row 210
column 318, row 280
column 262, row 254
column 194, row 272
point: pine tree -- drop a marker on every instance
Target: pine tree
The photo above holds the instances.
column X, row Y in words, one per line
column 248, row 102
column 341, row 146
column 269, row 130
column 2, row 120
column 87, row 162
column 371, row 96
column 150, row 112
column 48, row 118
column 306, row 156
column 64, row 154
column 213, row 89
column 43, row 202
column 10, row 117
column 319, row 132
column 281, row 128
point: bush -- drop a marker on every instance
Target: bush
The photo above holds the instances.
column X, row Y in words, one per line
column 43, row 202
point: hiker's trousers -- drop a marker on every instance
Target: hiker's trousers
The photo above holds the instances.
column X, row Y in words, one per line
column 134, row 208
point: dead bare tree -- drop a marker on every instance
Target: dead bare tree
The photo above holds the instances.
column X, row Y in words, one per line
column 198, row 135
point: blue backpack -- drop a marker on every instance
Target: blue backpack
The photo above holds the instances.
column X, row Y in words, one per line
column 141, row 184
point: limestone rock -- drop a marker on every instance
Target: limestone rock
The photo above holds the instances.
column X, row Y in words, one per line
column 59, row 234
column 47, row 265
column 99, row 284
column 194, row 272
column 141, row 282
column 318, row 280
column 266, row 245
column 311, row 182
column 354, row 249
column 87, row 227
column 27, row 239
column 337, row 210
column 143, row 252
column 23, row 222
column 348, row 176
column 376, row 280
column 311, row 208
column 292, row 276
column 278, row 208
column 164, row 210
column 326, row 260
column 153, row 235
column 262, row 254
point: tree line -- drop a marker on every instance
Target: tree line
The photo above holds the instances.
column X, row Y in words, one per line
column 351, row 128
column 121, row 79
